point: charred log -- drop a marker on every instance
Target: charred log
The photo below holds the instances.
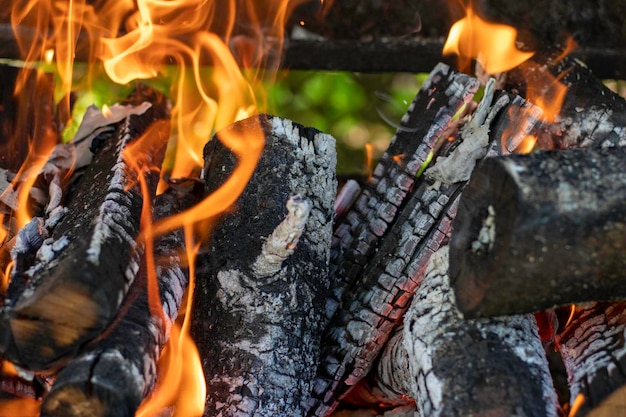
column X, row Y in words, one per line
column 364, row 230
column 262, row 283
column 386, row 278
column 359, row 235
column 591, row 115
column 456, row 367
column 540, row 230
column 112, row 377
column 64, row 293
column 593, row 350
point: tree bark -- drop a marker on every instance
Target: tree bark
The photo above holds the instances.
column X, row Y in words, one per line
column 456, row 367
column 262, row 283
column 111, row 377
column 540, row 230
column 64, row 293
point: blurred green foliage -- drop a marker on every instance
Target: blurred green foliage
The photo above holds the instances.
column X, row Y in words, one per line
column 360, row 110
column 357, row 109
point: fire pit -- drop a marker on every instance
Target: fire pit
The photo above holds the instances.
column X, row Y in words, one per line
column 152, row 271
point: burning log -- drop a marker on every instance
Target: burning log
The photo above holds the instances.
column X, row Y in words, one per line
column 454, row 367
column 590, row 114
column 113, row 376
column 404, row 242
column 594, row 352
column 359, row 235
column 540, row 230
column 66, row 293
column 262, row 283
column 365, row 229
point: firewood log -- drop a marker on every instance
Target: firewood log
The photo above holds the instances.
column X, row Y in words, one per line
column 594, row 352
column 358, row 236
column 456, row 367
column 66, row 293
column 112, row 376
column 262, row 282
column 591, row 114
column 388, row 275
column 540, row 230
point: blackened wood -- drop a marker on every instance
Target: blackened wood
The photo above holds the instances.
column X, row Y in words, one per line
column 365, row 229
column 413, row 230
column 358, row 236
column 111, row 377
column 591, row 115
column 83, row 270
column 261, row 287
column 540, row 230
column 594, row 352
column 456, row 367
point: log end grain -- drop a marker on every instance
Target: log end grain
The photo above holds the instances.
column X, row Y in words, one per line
column 540, row 230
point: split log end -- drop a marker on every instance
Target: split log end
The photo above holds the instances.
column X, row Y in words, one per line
column 540, row 230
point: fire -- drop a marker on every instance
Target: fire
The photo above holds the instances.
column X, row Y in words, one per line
column 199, row 47
column 494, row 47
column 491, row 44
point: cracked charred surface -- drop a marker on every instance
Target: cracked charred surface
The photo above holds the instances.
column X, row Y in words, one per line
column 64, row 292
column 594, row 353
column 263, row 279
column 371, row 265
column 455, row 367
column 112, row 376
column 381, row 249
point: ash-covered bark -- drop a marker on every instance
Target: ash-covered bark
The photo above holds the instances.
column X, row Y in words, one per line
column 359, row 235
column 70, row 290
column 456, row 367
column 262, row 283
column 594, row 352
column 591, row 114
column 376, row 302
column 112, row 377
column 540, row 230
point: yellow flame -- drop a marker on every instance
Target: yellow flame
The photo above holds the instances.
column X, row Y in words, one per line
column 106, row 111
column 491, row 44
column 578, row 402
column 195, row 44
column 180, row 364
column 544, row 90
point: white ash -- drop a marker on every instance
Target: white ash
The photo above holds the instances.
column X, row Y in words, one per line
column 96, row 122
column 284, row 239
column 433, row 319
column 487, row 233
column 55, row 216
column 458, row 166
column 30, row 237
column 110, row 212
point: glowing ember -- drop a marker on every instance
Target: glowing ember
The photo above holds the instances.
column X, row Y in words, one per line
column 491, row 44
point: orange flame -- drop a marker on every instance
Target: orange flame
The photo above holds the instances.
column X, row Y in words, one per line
column 544, row 90
column 199, row 45
column 491, row 44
